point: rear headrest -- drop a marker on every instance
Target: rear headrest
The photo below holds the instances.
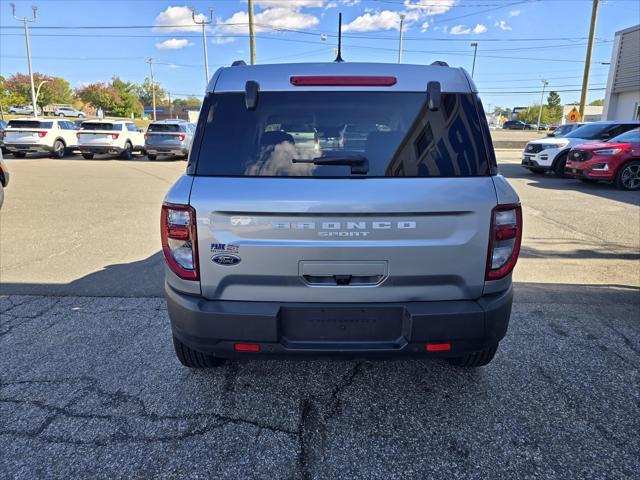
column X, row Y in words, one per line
column 275, row 138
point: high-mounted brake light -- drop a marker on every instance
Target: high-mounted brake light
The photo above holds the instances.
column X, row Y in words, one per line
column 179, row 240
column 505, row 236
column 342, row 81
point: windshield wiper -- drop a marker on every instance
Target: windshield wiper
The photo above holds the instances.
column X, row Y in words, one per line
column 358, row 163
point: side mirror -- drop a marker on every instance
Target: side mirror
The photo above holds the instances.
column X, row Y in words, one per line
column 433, row 96
column 251, row 89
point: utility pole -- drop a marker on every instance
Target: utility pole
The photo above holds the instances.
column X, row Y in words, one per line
column 153, row 87
column 587, row 61
column 203, row 23
column 400, row 39
column 252, row 37
column 475, row 52
column 544, row 85
column 170, row 105
column 26, row 21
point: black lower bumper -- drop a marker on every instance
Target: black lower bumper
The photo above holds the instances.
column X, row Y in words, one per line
column 100, row 150
column 530, row 163
column 338, row 329
column 157, row 150
column 27, row 148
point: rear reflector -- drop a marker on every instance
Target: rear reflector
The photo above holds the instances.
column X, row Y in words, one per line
column 342, row 81
column 437, row 347
column 246, row 347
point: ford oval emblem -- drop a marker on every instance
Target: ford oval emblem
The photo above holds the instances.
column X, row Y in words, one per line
column 226, row 259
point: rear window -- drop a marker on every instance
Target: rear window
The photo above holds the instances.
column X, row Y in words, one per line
column 29, row 124
column 590, row 131
column 101, row 126
column 295, row 134
column 164, row 127
column 632, row 136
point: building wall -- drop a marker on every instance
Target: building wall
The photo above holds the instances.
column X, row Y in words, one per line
column 623, row 85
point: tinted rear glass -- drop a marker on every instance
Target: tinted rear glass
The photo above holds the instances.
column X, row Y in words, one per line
column 630, row 136
column 589, row 131
column 29, row 124
column 395, row 132
column 101, row 126
column 164, row 127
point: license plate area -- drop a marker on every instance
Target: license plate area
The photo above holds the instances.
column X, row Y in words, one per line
column 342, row 325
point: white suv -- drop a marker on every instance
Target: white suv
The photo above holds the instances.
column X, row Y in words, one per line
column 113, row 137
column 33, row 135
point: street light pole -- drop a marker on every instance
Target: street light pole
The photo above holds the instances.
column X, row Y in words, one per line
column 400, row 39
column 203, row 23
column 544, row 85
column 252, row 37
column 40, row 86
column 153, row 87
column 475, row 52
column 26, row 21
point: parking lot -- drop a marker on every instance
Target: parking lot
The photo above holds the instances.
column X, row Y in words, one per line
column 90, row 387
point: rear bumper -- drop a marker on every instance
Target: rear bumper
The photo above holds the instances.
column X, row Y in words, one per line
column 27, row 148
column 100, row 149
column 338, row 329
column 168, row 150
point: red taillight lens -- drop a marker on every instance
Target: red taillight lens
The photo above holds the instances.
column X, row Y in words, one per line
column 42, row 134
column 437, row 347
column 146, row 136
column 115, row 135
column 179, row 240
column 504, row 241
column 247, row 347
column 342, row 81
column 181, row 136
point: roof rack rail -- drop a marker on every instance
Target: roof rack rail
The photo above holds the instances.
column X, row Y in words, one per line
column 440, row 63
column 238, row 63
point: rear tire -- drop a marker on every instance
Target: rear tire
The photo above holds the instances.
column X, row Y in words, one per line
column 561, row 163
column 59, row 149
column 193, row 359
column 127, row 153
column 19, row 154
column 475, row 359
column 151, row 157
column 628, row 177
column 87, row 156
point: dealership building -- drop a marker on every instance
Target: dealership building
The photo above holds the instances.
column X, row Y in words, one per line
column 622, row 99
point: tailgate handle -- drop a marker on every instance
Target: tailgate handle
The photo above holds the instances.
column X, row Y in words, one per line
column 343, row 273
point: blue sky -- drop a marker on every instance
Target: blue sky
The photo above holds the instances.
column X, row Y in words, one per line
column 520, row 42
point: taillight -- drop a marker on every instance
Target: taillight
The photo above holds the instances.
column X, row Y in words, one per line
column 42, row 134
column 115, row 135
column 504, row 241
column 181, row 136
column 179, row 240
column 146, row 137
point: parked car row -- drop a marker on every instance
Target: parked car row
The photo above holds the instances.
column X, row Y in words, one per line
column 608, row 151
column 58, row 111
column 119, row 138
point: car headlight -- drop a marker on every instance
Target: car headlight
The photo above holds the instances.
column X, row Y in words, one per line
column 547, row 146
column 608, row 151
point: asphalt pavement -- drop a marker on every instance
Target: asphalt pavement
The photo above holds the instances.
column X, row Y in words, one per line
column 90, row 387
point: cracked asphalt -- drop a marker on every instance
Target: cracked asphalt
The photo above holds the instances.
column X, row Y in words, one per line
column 90, row 387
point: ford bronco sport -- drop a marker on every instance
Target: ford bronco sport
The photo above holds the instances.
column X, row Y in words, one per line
column 283, row 240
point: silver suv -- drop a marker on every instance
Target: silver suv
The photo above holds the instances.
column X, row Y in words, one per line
column 168, row 137
column 399, row 245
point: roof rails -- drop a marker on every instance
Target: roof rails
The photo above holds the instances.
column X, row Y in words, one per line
column 238, row 63
column 440, row 63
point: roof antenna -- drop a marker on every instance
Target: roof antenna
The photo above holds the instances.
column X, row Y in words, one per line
column 339, row 56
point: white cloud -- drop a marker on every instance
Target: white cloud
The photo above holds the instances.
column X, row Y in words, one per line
column 174, row 44
column 502, row 25
column 269, row 19
column 514, row 13
column 425, row 26
column 479, row 28
column 430, row 7
column 459, row 30
column 178, row 19
column 222, row 40
column 384, row 20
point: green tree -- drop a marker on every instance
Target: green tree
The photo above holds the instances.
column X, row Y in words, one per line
column 597, row 103
column 128, row 101
column 100, row 95
column 54, row 90
column 189, row 102
column 553, row 111
column 144, row 93
column 10, row 97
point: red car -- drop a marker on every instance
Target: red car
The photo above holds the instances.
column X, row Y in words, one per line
column 617, row 160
